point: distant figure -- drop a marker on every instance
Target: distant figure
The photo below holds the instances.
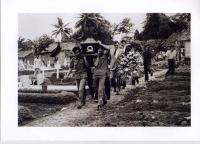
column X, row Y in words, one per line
column 37, row 62
column 65, row 62
column 39, row 77
column 49, row 64
column 28, row 64
column 147, row 56
column 79, row 64
column 37, row 65
column 171, row 56
column 100, row 73
column 126, row 48
column 134, row 77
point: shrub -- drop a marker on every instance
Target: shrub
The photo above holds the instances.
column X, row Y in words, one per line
column 24, row 114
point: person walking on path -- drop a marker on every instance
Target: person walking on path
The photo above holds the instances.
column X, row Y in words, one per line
column 134, row 77
column 79, row 64
column 126, row 49
column 115, row 52
column 147, row 56
column 171, row 56
column 100, row 73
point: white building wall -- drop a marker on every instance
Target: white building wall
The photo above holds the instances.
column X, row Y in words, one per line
column 187, row 49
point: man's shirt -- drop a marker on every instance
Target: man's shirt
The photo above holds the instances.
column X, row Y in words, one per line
column 114, row 53
column 101, row 66
column 79, row 65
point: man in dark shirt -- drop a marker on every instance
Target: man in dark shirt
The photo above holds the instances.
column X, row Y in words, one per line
column 79, row 64
column 147, row 62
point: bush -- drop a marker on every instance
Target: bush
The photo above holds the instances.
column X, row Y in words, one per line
column 54, row 79
column 24, row 114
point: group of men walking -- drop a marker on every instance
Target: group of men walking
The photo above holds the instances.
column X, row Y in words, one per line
column 100, row 71
column 111, row 67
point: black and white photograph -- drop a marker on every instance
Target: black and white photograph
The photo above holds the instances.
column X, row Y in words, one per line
column 104, row 70
column 100, row 71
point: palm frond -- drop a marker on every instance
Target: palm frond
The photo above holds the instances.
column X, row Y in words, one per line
column 54, row 31
column 56, row 26
column 66, row 25
column 60, row 22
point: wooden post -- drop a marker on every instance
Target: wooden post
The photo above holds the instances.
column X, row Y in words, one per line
column 57, row 70
column 57, row 73
column 43, row 73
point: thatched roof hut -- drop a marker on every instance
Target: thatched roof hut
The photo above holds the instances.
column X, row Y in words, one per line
column 178, row 36
column 156, row 44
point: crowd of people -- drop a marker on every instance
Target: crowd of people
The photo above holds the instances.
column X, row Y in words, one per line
column 113, row 67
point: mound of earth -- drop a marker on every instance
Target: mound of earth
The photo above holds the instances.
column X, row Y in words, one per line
column 48, row 98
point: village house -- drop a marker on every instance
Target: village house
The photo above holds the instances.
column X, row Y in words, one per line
column 182, row 39
column 26, row 56
column 59, row 53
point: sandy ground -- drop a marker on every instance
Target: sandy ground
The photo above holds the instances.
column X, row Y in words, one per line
column 71, row 116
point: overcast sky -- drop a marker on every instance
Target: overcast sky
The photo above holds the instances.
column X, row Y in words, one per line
column 32, row 26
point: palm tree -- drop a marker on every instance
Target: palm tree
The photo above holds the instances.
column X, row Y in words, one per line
column 125, row 26
column 92, row 25
column 62, row 29
column 86, row 24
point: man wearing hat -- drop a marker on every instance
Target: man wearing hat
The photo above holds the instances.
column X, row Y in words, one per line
column 79, row 64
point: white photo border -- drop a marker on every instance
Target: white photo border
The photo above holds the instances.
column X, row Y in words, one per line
column 9, row 35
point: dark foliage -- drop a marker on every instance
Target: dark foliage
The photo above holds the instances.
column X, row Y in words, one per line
column 93, row 25
column 160, row 26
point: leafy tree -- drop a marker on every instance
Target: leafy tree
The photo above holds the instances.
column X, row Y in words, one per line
column 181, row 21
column 28, row 44
column 125, row 26
column 114, row 29
column 42, row 43
column 62, row 29
column 25, row 44
column 151, row 26
column 156, row 26
column 93, row 25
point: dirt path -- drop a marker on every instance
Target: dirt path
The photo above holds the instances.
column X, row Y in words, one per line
column 71, row 116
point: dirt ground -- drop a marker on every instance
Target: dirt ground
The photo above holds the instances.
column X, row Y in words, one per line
column 160, row 102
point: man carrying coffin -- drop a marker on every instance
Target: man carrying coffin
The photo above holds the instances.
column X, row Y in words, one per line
column 79, row 64
column 100, row 73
